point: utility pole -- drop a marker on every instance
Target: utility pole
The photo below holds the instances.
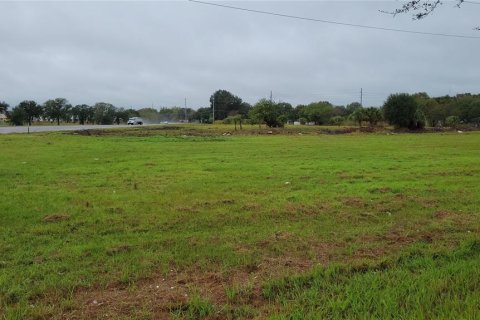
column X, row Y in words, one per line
column 271, row 95
column 361, row 97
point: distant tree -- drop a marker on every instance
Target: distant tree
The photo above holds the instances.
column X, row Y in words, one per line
column 435, row 113
column 31, row 110
column 236, row 120
column 67, row 114
column 57, row 109
column 336, row 120
column 226, row 104
column 372, row 115
column 150, row 114
column 474, row 111
column 268, row 112
column 4, row 107
column 287, row 110
column 339, row 111
column 18, row 116
column 167, row 114
column 83, row 114
column 203, row 115
column 358, row 116
column 452, row 121
column 298, row 113
column 121, row 115
column 401, row 109
column 244, row 109
column 352, row 107
column 104, row 113
column 318, row 112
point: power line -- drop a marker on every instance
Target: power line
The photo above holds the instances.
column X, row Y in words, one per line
column 334, row 22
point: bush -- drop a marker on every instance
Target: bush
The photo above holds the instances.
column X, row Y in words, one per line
column 337, row 120
column 452, row 121
column 401, row 110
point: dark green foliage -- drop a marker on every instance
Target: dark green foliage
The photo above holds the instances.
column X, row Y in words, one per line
column 287, row 110
column 18, row 116
column 30, row 110
column 318, row 112
column 4, row 107
column 122, row 115
column 83, row 114
column 104, row 113
column 400, row 110
column 203, row 115
column 352, row 107
column 57, row 109
column 358, row 116
column 337, row 120
column 227, row 104
column 372, row 115
column 452, row 121
column 269, row 113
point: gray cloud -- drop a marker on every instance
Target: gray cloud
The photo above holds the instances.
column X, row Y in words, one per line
column 142, row 53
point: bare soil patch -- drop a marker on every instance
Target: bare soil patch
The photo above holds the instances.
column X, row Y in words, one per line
column 56, row 217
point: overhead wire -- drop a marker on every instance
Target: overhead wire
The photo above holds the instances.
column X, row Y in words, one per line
column 332, row 21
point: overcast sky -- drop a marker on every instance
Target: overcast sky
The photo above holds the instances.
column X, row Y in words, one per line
column 158, row 53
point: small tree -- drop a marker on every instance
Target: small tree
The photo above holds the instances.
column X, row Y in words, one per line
column 302, row 120
column 337, row 120
column 83, row 114
column 18, row 116
column 318, row 112
column 372, row 115
column 104, row 113
column 352, row 107
column 268, row 112
column 358, row 116
column 236, row 119
column 452, row 121
column 4, row 107
column 31, row 110
column 57, row 109
column 400, row 110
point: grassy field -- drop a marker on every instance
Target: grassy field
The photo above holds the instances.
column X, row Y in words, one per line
column 189, row 224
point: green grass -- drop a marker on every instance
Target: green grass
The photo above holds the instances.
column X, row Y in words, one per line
column 85, row 213
column 440, row 286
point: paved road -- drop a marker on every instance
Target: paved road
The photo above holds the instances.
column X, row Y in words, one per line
column 24, row 129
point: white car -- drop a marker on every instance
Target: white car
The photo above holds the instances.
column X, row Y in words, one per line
column 135, row 120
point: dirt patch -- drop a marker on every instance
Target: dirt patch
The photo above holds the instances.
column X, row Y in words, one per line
column 444, row 214
column 56, row 217
column 305, row 210
column 163, row 294
column 354, row 202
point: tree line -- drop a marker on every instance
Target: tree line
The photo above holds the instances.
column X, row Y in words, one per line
column 413, row 111
column 60, row 110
